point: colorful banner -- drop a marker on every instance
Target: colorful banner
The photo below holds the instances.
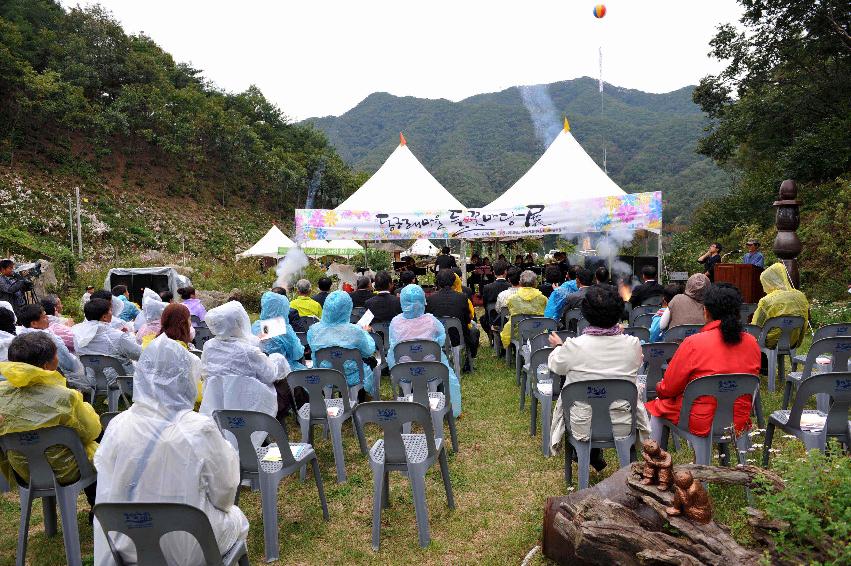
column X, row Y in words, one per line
column 642, row 211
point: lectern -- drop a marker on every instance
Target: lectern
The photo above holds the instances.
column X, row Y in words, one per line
column 744, row 276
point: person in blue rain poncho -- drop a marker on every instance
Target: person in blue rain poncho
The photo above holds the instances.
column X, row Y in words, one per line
column 273, row 305
column 335, row 330
column 415, row 324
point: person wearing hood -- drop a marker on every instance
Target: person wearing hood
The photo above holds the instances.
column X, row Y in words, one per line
column 34, row 395
column 527, row 300
column 7, row 331
column 273, row 305
column 415, row 324
column 687, row 308
column 236, row 374
column 130, row 310
column 152, row 310
column 96, row 336
column 32, row 318
column 781, row 299
column 196, row 308
column 335, row 330
column 159, row 450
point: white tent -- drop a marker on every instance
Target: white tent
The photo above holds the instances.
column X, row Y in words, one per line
column 319, row 248
column 563, row 173
column 401, row 184
column 269, row 245
column 422, row 247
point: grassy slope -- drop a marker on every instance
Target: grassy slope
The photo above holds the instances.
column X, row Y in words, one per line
column 499, row 477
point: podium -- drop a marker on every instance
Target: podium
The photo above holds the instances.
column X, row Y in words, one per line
column 744, row 276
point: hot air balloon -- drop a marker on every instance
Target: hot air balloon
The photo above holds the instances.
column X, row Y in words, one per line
column 599, row 10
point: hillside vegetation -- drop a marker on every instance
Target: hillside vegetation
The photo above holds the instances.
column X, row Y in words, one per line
column 480, row 146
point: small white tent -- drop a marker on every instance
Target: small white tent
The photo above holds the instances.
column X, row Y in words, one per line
column 422, row 247
column 269, row 245
column 563, row 173
column 400, row 185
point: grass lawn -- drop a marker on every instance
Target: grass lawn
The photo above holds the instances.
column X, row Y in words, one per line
column 500, row 480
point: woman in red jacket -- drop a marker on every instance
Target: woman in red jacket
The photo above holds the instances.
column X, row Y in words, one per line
column 720, row 347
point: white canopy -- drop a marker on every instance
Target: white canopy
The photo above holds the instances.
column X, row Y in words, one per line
column 563, row 173
column 269, row 245
column 400, row 185
column 422, row 247
column 319, row 248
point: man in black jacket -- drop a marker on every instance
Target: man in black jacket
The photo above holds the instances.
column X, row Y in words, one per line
column 363, row 292
column 324, row 285
column 446, row 302
column 12, row 289
column 492, row 290
column 444, row 260
column 649, row 288
column 383, row 305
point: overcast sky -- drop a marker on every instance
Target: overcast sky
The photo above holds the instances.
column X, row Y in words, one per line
column 320, row 57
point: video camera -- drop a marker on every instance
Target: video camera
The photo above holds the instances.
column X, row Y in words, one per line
column 28, row 270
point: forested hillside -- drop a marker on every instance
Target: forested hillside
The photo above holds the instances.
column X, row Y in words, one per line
column 480, row 146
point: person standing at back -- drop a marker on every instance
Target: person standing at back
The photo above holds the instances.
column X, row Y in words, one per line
column 12, row 289
column 383, row 305
column 445, row 260
column 710, row 259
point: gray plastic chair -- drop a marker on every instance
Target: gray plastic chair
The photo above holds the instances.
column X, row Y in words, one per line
column 514, row 338
column 337, row 358
column 539, row 342
column 753, row 330
column 495, row 319
column 454, row 352
column 544, row 391
column 652, row 300
column 116, row 386
column 571, row 319
column 639, row 332
column 412, row 381
column 105, row 419
column 320, row 384
column 681, row 332
column 410, row 454
column 826, row 331
column 599, row 394
column 381, row 359
column 357, row 313
column 202, row 336
column 726, row 389
column 837, row 386
column 526, row 330
column 643, row 320
column 656, row 358
column 839, row 350
column 746, row 312
column 416, row 351
column 383, row 330
column 642, row 310
column 196, row 321
column 267, row 475
column 146, row 523
column 786, row 324
column 32, row 446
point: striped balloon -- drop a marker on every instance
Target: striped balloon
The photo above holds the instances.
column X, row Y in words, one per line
column 599, row 10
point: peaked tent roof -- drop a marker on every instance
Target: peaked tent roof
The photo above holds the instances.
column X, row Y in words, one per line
column 422, row 247
column 400, row 185
column 269, row 245
column 564, row 172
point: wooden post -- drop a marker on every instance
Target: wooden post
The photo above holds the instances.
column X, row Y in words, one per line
column 787, row 245
column 79, row 225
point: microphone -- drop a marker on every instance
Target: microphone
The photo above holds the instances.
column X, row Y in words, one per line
column 730, row 253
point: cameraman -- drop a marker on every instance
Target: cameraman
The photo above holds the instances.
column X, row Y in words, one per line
column 12, row 287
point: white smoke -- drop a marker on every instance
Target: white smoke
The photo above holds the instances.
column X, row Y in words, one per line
column 290, row 267
column 545, row 117
column 609, row 246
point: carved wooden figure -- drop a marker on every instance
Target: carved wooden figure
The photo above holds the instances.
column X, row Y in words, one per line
column 690, row 498
column 658, row 467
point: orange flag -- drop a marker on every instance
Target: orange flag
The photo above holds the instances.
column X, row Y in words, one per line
column 402, row 140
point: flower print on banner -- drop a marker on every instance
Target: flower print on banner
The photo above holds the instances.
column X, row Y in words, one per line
column 655, row 210
column 316, row 218
column 331, row 218
column 321, row 234
column 627, row 213
column 602, row 223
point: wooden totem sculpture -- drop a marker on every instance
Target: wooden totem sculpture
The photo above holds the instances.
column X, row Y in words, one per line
column 787, row 245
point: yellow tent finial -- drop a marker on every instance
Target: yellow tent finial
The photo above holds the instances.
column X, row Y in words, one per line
column 566, row 125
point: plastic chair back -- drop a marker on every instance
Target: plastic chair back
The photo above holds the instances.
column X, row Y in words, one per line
column 453, row 328
column 655, row 356
column 146, row 523
column 383, row 330
column 495, row 317
column 726, row 389
column 316, row 382
column 416, row 351
column 98, row 365
column 638, row 311
column 746, row 312
column 357, row 313
column 653, row 301
column 681, row 332
column 639, row 332
column 833, row 330
column 390, row 416
column 839, row 349
column 337, row 358
column 539, row 341
column 837, row 385
column 599, row 394
column 242, row 424
column 571, row 318
column 515, row 323
column 419, row 374
column 202, row 336
column 753, row 330
column 581, row 325
column 105, row 419
column 534, row 325
column 642, row 320
column 32, row 446
column 786, row 324
column 540, row 357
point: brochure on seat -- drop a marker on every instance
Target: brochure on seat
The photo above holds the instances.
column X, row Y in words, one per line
column 434, row 402
column 274, row 453
column 812, row 421
column 333, row 411
column 272, row 327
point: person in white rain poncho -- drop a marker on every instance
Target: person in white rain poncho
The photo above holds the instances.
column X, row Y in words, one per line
column 159, row 450
column 236, row 374
column 98, row 337
column 152, row 311
column 7, row 329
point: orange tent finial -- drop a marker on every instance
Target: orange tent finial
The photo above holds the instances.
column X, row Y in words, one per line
column 402, row 140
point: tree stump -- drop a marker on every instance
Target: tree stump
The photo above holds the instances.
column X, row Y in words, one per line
column 620, row 521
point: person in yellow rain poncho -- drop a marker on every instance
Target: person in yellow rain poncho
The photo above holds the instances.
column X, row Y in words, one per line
column 781, row 299
column 527, row 300
column 33, row 396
